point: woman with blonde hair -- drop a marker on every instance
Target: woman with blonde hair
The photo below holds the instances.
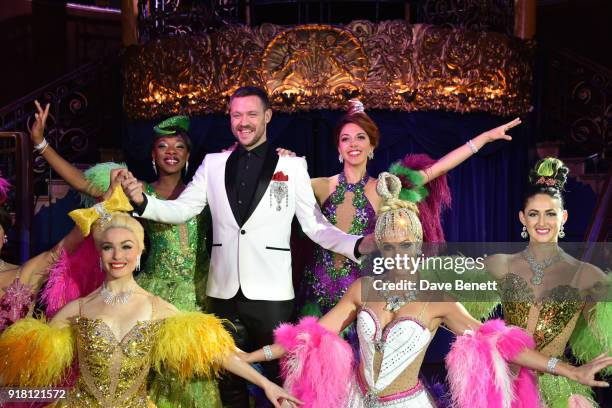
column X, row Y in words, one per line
column 177, row 266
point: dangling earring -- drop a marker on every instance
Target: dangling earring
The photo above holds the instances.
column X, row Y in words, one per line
column 371, row 155
column 340, row 159
column 562, row 231
column 101, row 265
column 154, row 167
column 186, row 167
column 524, row 233
column 138, row 263
column 5, row 239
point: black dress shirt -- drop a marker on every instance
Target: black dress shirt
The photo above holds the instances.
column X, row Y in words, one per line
column 248, row 166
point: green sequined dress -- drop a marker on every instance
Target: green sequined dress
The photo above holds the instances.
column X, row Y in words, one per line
column 176, row 270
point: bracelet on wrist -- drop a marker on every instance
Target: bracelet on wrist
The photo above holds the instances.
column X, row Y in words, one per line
column 472, row 146
column 267, row 350
column 41, row 146
column 551, row 366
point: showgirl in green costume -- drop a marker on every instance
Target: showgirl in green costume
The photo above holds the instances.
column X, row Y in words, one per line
column 177, row 268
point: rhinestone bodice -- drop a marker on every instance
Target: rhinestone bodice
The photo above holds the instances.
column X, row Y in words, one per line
column 329, row 275
column 112, row 372
column 391, row 356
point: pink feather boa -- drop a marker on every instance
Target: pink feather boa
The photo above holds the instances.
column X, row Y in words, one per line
column 73, row 276
column 478, row 373
column 318, row 366
column 5, row 186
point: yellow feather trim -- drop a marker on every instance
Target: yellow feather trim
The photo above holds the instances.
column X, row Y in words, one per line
column 192, row 344
column 35, row 354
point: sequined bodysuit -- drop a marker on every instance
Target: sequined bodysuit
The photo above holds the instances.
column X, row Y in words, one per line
column 178, row 263
column 391, row 358
column 328, row 277
column 112, row 372
column 550, row 321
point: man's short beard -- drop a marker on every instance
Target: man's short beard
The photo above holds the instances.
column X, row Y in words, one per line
column 255, row 140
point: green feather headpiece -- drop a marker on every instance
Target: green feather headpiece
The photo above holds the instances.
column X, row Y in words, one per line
column 99, row 178
column 417, row 192
column 549, row 166
column 169, row 126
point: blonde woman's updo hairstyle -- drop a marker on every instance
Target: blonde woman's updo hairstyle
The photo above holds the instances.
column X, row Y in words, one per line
column 119, row 220
column 396, row 217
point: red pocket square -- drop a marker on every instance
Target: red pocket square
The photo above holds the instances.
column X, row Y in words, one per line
column 280, row 176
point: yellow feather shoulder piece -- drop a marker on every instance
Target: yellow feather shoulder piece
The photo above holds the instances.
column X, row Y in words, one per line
column 35, row 354
column 192, row 344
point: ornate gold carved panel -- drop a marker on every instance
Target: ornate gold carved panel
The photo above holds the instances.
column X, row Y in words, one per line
column 389, row 65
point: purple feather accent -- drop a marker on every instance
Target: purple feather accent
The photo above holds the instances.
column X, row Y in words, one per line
column 437, row 390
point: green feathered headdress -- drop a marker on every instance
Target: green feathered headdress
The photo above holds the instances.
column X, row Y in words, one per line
column 549, row 172
column 169, row 126
column 417, row 192
column 99, row 179
column 548, row 167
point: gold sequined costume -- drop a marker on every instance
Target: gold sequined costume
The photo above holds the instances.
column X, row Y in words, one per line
column 112, row 372
column 554, row 318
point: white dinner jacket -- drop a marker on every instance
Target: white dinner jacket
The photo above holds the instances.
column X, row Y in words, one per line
column 255, row 256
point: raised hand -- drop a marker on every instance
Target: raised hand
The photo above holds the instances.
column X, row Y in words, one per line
column 367, row 245
column 585, row 374
column 38, row 127
column 116, row 175
column 132, row 188
column 500, row 131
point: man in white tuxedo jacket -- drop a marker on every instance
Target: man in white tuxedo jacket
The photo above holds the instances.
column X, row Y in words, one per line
column 253, row 195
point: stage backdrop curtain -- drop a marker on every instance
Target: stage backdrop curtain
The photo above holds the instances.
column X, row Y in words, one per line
column 486, row 189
